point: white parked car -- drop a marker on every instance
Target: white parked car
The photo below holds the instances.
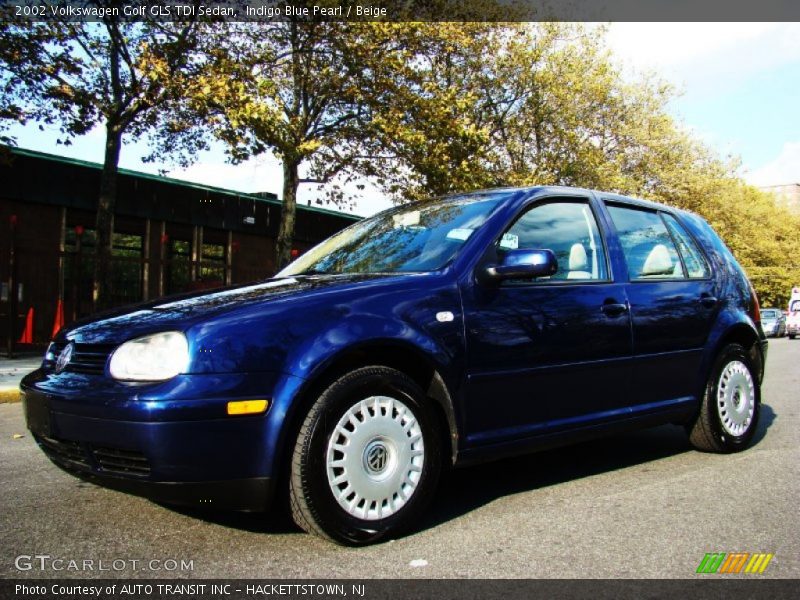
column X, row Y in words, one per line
column 793, row 316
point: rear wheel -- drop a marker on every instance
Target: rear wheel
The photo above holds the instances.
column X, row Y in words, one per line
column 367, row 458
column 729, row 412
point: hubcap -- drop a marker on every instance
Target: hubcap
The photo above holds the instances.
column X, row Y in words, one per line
column 375, row 457
column 736, row 398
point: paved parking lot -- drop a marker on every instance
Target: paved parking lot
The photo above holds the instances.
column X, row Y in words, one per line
column 635, row 505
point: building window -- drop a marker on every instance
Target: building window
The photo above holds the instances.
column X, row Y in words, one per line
column 126, row 267
column 212, row 264
column 127, row 257
column 179, row 266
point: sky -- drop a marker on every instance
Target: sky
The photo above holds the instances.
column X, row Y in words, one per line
column 739, row 87
column 739, row 92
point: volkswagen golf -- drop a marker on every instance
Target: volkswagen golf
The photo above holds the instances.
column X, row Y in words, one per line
column 440, row 333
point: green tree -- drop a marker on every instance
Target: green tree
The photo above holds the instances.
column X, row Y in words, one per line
column 431, row 106
column 328, row 98
column 297, row 101
column 546, row 104
column 483, row 104
column 122, row 76
column 283, row 87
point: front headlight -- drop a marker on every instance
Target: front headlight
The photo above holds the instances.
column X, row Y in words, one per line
column 151, row 358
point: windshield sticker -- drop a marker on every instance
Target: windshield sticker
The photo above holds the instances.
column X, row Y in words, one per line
column 461, row 233
column 407, row 219
column 509, row 241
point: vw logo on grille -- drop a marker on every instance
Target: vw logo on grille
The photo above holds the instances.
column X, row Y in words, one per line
column 64, row 357
column 377, row 457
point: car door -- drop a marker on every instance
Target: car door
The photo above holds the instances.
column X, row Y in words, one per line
column 673, row 303
column 553, row 352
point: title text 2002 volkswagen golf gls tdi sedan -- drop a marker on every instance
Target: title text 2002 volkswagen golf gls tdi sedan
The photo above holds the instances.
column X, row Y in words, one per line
column 453, row 330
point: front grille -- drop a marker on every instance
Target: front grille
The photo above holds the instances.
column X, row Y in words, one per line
column 124, row 462
column 90, row 358
column 86, row 358
column 63, row 451
column 87, row 457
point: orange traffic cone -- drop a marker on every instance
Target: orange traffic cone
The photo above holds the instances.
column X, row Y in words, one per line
column 27, row 334
column 59, row 321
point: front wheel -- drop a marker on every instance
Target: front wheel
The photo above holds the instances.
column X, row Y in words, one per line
column 731, row 404
column 367, row 458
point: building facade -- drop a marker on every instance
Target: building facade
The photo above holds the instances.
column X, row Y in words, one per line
column 170, row 236
column 787, row 194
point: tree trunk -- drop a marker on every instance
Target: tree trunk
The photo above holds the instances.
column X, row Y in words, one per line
column 283, row 245
column 101, row 292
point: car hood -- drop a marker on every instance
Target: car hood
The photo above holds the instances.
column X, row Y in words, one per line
column 182, row 312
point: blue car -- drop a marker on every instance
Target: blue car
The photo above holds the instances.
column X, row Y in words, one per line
column 460, row 329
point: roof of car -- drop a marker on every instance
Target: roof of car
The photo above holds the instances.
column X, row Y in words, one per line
column 565, row 190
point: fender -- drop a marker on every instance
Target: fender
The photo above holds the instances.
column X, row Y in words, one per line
column 310, row 364
column 729, row 326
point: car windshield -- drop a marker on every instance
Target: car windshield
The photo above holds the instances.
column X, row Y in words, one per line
column 423, row 236
column 795, row 306
column 769, row 314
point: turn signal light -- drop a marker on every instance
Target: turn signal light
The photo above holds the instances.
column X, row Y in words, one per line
column 247, row 407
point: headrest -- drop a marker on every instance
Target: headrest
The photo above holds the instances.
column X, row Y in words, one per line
column 658, row 262
column 577, row 258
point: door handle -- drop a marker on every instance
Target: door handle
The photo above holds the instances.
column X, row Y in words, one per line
column 708, row 300
column 614, row 309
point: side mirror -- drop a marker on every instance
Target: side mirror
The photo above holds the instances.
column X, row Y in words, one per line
column 524, row 264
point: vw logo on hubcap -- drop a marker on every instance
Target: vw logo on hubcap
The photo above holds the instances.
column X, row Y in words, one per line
column 376, row 456
column 64, row 357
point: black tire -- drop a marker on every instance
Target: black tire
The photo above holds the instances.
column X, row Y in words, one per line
column 708, row 433
column 791, row 336
column 313, row 504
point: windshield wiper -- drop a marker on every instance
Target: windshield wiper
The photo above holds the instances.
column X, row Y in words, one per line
column 314, row 272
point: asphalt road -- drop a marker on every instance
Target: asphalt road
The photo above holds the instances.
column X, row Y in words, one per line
column 635, row 505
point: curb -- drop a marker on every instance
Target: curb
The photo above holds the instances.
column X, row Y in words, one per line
column 9, row 395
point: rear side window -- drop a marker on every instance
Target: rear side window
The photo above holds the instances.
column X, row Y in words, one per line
column 692, row 257
column 649, row 250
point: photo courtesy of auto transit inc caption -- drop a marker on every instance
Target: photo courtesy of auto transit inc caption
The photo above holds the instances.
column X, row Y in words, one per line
column 425, row 589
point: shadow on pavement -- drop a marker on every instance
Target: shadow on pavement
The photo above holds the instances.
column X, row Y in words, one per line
column 467, row 489
column 464, row 490
column 765, row 420
column 277, row 521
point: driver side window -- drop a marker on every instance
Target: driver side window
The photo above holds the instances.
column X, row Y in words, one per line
column 569, row 229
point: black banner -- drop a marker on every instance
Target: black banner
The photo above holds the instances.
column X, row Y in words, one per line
column 403, row 10
column 417, row 589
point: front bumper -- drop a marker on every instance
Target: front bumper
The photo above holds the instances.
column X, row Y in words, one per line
column 253, row 494
column 150, row 443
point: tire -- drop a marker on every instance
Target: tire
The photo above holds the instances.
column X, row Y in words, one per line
column 731, row 404
column 791, row 336
column 367, row 458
